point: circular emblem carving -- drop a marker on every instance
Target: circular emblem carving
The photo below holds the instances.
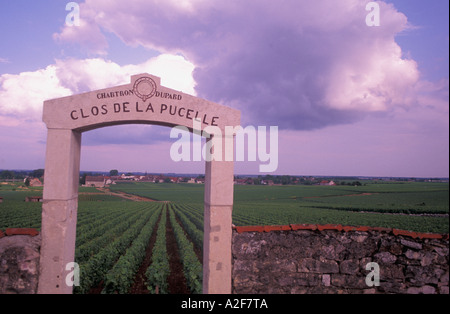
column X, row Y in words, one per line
column 144, row 88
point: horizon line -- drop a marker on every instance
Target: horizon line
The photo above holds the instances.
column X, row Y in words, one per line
column 253, row 175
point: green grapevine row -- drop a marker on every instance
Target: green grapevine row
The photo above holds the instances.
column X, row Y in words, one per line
column 107, row 235
column 120, row 278
column 193, row 270
column 94, row 270
column 98, row 224
column 187, row 219
column 195, row 213
column 159, row 270
column 18, row 214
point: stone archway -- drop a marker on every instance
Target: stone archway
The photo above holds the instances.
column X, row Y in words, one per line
column 145, row 101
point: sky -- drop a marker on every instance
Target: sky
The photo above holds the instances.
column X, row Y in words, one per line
column 348, row 98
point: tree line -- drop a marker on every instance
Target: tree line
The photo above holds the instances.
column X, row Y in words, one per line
column 290, row 180
column 21, row 174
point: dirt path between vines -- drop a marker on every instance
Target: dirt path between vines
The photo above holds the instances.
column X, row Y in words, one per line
column 324, row 196
column 127, row 196
column 176, row 280
column 140, row 280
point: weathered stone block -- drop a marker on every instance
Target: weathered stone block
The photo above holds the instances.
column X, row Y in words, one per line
column 326, row 280
column 419, row 275
column 348, row 281
column 414, row 255
column 307, row 265
column 19, row 264
column 441, row 251
column 392, row 271
column 444, row 278
column 285, row 266
column 385, row 258
column 349, row 267
column 298, row 279
column 421, row 290
column 392, row 286
column 411, row 244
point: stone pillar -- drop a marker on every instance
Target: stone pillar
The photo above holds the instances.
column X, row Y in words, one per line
column 219, row 186
column 59, row 210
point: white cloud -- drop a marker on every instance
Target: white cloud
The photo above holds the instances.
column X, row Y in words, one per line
column 92, row 74
column 174, row 70
column 22, row 132
column 377, row 82
column 22, row 95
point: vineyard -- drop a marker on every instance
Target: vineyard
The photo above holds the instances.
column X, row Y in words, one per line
column 125, row 246
column 422, row 207
column 112, row 246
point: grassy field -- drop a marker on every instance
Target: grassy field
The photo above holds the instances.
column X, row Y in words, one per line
column 408, row 205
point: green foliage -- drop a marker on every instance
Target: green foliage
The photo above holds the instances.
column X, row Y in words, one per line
column 192, row 223
column 193, row 270
column 7, row 174
column 38, row 173
column 159, row 269
column 105, row 254
column 114, row 172
column 120, row 278
column 372, row 204
column 18, row 214
column 378, row 205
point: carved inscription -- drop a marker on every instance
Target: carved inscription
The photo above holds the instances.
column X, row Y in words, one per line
column 143, row 108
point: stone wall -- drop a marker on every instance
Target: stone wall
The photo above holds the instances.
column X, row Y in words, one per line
column 332, row 259
column 314, row 259
column 19, row 261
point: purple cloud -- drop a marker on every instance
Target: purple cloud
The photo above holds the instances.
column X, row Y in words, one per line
column 296, row 64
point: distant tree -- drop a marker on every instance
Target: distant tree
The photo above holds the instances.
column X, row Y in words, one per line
column 37, row 173
column 285, row 179
column 113, row 173
column 27, row 182
column 6, row 174
column 256, row 181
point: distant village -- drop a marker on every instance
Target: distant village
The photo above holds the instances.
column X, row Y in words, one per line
column 270, row 180
column 35, row 178
column 102, row 181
